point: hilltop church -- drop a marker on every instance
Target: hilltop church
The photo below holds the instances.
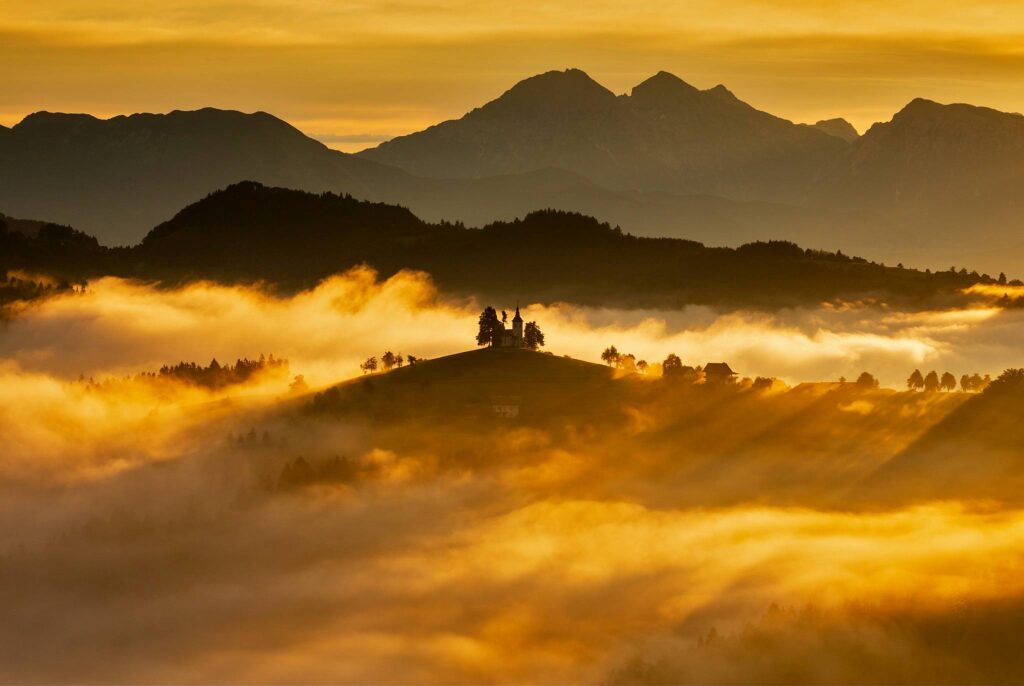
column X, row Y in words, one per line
column 512, row 338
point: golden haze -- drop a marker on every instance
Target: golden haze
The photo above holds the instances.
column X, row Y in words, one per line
column 356, row 73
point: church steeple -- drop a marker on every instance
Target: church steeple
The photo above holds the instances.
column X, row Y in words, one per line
column 517, row 328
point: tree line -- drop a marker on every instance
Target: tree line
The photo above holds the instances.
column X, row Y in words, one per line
column 388, row 361
column 932, row 382
column 235, row 235
column 672, row 367
column 216, row 375
column 213, row 376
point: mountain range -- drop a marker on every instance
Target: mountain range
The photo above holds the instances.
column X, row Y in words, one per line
column 936, row 185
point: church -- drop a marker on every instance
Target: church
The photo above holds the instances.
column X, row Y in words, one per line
column 512, row 338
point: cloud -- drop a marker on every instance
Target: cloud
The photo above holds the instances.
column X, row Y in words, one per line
column 146, row 533
column 122, row 327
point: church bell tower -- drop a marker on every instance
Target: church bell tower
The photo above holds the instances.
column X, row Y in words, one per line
column 517, row 328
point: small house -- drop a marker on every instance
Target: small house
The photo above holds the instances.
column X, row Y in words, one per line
column 718, row 372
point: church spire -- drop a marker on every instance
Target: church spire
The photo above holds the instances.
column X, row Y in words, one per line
column 517, row 328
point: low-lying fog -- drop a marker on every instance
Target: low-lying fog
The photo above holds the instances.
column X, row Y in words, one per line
column 153, row 532
column 121, row 327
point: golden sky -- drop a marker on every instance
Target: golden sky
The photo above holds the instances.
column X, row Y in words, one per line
column 355, row 72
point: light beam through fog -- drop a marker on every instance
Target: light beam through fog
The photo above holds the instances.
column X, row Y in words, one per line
column 154, row 531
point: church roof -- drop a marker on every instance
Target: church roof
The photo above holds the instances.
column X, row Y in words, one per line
column 518, row 317
column 718, row 368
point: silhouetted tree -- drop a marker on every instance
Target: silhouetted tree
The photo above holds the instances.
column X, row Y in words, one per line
column 490, row 329
column 610, row 356
column 1002, row 279
column 916, row 381
column 1009, row 379
column 866, row 380
column 762, row 383
column 948, row 382
column 533, row 337
column 298, row 384
column 387, row 360
column 370, row 366
column 412, row 359
column 931, row 382
column 672, row 365
column 627, row 363
column 399, row 360
column 641, row 366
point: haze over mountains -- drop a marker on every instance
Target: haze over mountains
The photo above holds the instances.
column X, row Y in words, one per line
column 935, row 186
column 664, row 136
column 250, row 233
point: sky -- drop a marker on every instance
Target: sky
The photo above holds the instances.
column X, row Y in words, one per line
column 353, row 73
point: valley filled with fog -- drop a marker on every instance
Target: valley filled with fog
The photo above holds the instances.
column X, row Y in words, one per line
column 625, row 527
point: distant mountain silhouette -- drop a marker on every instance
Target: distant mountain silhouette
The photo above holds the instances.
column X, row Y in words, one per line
column 116, row 178
column 933, row 155
column 840, row 128
column 935, row 186
column 664, row 136
column 120, row 175
column 949, row 174
column 249, row 232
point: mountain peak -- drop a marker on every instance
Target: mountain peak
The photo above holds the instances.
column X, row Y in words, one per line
column 569, row 89
column 838, row 127
column 661, row 86
column 953, row 117
column 918, row 105
column 44, row 120
column 722, row 92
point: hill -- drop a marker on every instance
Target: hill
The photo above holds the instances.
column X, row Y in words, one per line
column 464, row 388
column 974, row 452
column 249, row 232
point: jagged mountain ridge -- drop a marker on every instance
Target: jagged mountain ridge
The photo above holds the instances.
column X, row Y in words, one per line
column 933, row 187
column 665, row 135
column 118, row 177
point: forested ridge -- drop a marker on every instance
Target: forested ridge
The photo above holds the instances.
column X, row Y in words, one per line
column 292, row 239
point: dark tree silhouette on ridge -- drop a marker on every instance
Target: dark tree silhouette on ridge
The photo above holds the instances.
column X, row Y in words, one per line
column 915, row 381
column 948, row 382
column 866, row 380
column 490, row 329
column 533, row 337
column 610, row 356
